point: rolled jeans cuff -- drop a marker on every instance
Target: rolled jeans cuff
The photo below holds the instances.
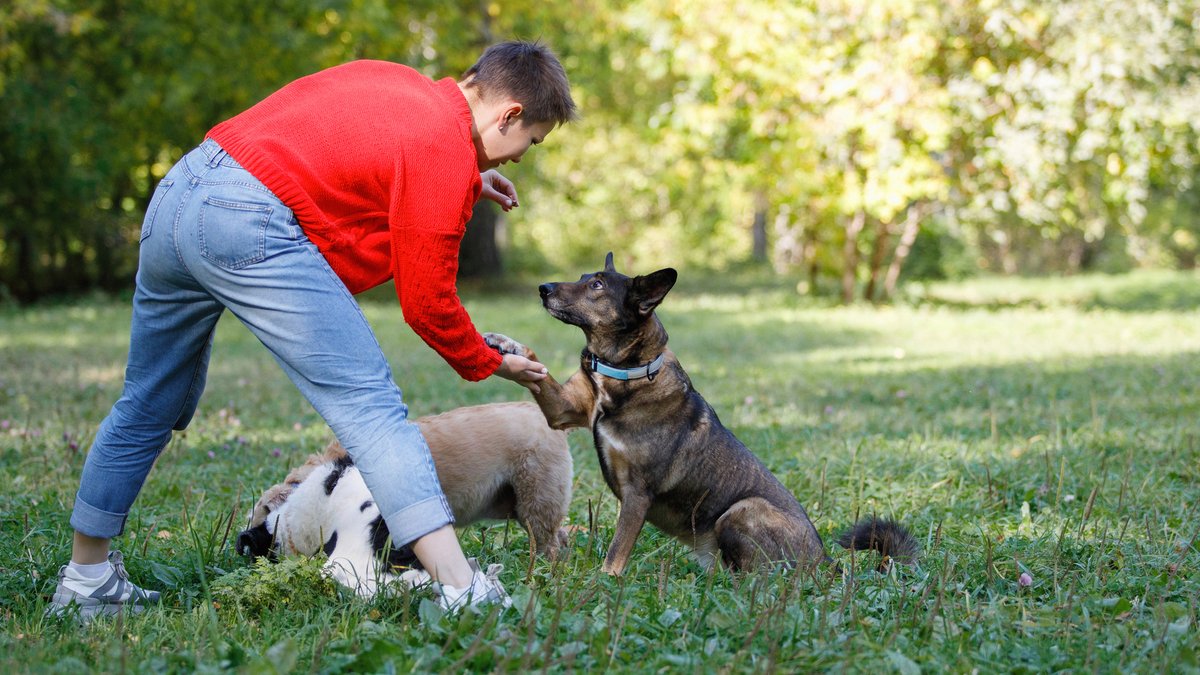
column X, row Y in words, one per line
column 417, row 520
column 93, row 522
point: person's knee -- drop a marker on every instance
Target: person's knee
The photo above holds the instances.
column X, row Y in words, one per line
column 187, row 412
column 372, row 423
column 133, row 426
column 399, row 440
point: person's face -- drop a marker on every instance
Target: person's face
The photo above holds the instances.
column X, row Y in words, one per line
column 509, row 138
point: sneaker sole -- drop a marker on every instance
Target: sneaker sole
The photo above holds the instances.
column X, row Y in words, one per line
column 87, row 608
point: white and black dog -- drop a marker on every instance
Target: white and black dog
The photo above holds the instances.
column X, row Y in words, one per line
column 332, row 511
column 494, row 461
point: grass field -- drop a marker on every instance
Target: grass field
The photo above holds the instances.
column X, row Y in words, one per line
column 1048, row 428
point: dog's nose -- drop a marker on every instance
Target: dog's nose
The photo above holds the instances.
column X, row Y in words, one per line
column 245, row 543
column 255, row 542
column 546, row 290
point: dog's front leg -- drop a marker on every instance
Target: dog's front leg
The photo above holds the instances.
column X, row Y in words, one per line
column 566, row 406
column 632, row 517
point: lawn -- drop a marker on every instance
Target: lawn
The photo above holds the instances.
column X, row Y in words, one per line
column 1049, row 428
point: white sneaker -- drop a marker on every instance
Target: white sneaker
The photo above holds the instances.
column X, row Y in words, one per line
column 485, row 589
column 104, row 596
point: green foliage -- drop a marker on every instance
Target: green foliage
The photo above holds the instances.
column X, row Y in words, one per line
column 1037, row 137
column 1033, row 134
column 1066, row 118
column 939, row 252
column 101, row 99
column 292, row 583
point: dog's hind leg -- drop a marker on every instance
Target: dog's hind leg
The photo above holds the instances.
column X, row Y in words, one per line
column 754, row 532
column 542, row 487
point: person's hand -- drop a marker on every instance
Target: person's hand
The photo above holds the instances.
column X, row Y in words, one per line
column 498, row 189
column 523, row 371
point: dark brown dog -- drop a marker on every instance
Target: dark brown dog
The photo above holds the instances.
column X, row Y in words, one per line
column 662, row 449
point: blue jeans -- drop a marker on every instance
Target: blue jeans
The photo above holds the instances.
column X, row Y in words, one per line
column 215, row 238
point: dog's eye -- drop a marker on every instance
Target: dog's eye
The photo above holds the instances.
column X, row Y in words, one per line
column 596, row 284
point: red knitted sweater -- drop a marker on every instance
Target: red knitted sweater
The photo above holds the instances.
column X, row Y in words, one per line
column 377, row 162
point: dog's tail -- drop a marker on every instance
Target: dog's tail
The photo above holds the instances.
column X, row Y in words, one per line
column 891, row 539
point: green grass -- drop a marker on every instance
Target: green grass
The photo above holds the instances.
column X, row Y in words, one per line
column 1050, row 427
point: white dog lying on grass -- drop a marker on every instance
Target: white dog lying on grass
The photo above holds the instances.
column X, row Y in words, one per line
column 494, row 461
column 332, row 511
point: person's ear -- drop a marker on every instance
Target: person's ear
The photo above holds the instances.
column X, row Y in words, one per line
column 510, row 114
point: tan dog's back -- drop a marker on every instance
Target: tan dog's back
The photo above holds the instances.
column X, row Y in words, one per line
column 510, row 443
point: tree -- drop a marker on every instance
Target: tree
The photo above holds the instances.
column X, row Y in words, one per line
column 824, row 134
column 101, row 98
column 1065, row 117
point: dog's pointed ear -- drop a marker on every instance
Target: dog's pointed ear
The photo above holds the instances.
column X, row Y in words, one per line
column 608, row 263
column 648, row 291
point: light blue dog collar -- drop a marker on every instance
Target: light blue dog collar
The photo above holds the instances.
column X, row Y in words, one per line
column 647, row 371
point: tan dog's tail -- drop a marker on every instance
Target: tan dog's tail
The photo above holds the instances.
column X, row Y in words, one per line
column 891, row 539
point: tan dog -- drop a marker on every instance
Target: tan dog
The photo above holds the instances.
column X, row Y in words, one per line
column 494, row 461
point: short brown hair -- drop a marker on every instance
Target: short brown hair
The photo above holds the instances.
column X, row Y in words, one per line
column 531, row 74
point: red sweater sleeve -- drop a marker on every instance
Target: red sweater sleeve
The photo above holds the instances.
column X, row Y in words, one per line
column 428, row 219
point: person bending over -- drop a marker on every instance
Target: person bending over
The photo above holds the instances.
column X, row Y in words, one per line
column 334, row 184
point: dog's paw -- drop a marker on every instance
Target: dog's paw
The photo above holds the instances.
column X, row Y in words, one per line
column 612, row 570
column 562, row 542
column 567, row 533
column 414, row 578
column 506, row 345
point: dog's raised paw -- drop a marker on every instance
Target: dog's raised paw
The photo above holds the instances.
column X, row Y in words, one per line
column 505, row 344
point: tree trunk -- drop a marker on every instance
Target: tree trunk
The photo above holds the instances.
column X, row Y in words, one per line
column 878, row 252
column 850, row 255
column 105, row 242
column 912, row 227
column 759, row 228
column 479, row 255
column 1008, row 260
column 787, row 251
column 24, row 286
column 810, row 258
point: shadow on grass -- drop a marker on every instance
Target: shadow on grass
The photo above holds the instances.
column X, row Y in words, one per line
column 965, row 448
column 1146, row 295
column 1142, row 291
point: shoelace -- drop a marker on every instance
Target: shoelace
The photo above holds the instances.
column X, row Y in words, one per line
column 136, row 594
column 118, row 562
column 493, row 576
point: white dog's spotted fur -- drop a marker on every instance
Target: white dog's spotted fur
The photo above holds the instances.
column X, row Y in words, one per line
column 342, row 522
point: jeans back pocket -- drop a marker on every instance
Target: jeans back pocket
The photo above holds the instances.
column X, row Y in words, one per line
column 233, row 234
column 160, row 193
